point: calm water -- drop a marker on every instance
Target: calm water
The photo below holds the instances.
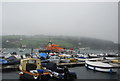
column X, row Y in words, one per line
column 81, row 71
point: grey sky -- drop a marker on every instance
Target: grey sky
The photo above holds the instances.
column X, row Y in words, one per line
column 89, row 19
column 0, row 18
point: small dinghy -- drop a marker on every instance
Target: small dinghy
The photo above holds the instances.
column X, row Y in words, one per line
column 100, row 66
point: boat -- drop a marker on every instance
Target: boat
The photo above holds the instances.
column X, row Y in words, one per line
column 115, row 61
column 60, row 73
column 111, row 58
column 72, row 59
column 85, row 59
column 43, row 56
column 65, row 58
column 21, row 50
column 100, row 66
column 83, row 56
column 7, row 55
column 112, row 55
column 92, row 55
column 31, row 69
column 68, row 60
column 54, row 59
column 12, row 60
column 53, row 47
column 52, row 54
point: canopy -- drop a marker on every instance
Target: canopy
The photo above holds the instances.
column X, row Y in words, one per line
column 43, row 55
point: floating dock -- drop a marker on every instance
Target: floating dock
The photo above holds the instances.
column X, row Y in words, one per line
column 71, row 64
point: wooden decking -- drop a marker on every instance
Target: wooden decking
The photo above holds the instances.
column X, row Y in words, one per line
column 71, row 64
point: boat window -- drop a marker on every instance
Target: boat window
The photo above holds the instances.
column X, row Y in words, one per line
column 30, row 66
column 31, row 61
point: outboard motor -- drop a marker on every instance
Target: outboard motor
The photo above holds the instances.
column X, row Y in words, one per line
column 70, row 76
column 66, row 72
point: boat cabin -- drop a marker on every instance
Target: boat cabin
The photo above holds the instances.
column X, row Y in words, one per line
column 30, row 64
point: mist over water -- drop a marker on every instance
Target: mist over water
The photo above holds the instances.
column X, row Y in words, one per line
column 94, row 19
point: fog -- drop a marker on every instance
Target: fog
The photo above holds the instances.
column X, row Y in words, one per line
column 83, row 19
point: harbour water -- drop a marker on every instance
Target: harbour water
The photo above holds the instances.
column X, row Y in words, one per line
column 81, row 71
column 10, row 50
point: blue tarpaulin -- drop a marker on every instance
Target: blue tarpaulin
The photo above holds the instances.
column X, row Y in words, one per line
column 43, row 55
column 2, row 61
column 40, row 71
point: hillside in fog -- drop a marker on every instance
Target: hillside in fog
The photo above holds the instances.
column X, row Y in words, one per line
column 36, row 41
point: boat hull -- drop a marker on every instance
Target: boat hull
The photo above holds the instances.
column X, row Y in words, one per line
column 54, row 60
column 100, row 68
column 64, row 61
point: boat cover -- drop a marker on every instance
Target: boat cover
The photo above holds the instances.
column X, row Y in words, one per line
column 3, row 61
column 44, row 55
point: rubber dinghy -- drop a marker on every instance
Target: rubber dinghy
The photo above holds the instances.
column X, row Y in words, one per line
column 100, row 66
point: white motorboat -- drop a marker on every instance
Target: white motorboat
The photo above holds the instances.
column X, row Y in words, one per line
column 54, row 59
column 83, row 56
column 85, row 59
column 100, row 66
column 112, row 58
column 92, row 55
